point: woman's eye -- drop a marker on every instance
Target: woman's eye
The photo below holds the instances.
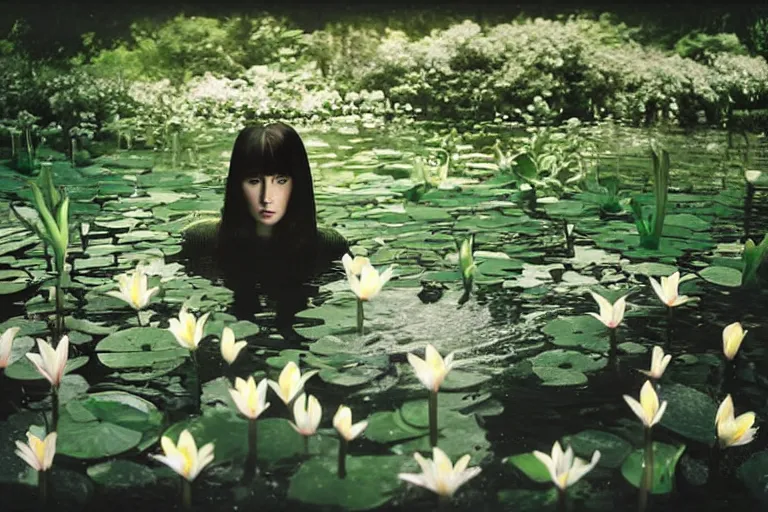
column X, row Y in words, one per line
column 253, row 181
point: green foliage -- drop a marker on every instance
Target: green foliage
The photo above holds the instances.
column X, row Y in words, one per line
column 703, row 47
column 752, row 258
column 650, row 228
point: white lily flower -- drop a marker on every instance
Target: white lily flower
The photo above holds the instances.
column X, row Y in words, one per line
column 565, row 469
column 734, row 431
column 610, row 315
column 647, row 409
column 51, row 363
column 370, row 282
column 250, row 399
column 354, row 265
column 432, row 370
column 667, row 290
column 291, row 382
column 439, row 475
column 6, row 345
column 307, row 413
column 733, row 335
column 230, row 348
column 342, row 421
column 187, row 330
column 185, row 459
column 659, row 363
column 133, row 289
column 38, row 453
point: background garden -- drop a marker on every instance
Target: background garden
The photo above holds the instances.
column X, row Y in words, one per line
column 579, row 150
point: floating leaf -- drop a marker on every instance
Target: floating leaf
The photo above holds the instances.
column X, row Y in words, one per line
column 121, row 474
column 613, row 449
column 722, row 276
column 690, row 413
column 665, row 458
column 531, row 467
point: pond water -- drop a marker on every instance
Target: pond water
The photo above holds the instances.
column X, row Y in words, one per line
column 534, row 367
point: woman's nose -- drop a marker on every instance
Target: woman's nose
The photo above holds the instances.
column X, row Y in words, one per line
column 265, row 193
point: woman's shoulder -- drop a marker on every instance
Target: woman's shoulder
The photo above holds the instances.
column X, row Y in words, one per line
column 331, row 244
column 201, row 235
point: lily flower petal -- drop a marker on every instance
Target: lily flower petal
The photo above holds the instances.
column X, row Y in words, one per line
column 185, row 459
column 250, row 399
column 733, row 335
column 647, row 409
column 38, row 453
column 230, row 348
column 439, row 475
column 6, row 345
column 291, row 382
column 51, row 363
column 432, row 370
column 307, row 413
column 342, row 422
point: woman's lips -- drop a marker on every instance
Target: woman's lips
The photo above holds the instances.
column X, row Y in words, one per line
column 266, row 213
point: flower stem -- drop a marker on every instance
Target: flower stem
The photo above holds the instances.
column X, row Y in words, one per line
column 186, row 494
column 58, row 331
column 138, row 317
column 306, row 445
column 715, row 454
column 42, row 489
column 54, row 409
column 198, row 393
column 360, row 317
column 343, row 444
column 647, row 479
column 562, row 500
column 250, row 461
column 613, row 337
column 433, row 418
column 443, row 503
column 669, row 327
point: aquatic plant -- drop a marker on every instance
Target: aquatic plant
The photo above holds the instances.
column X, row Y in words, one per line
column 659, row 363
column 251, row 401
column 6, row 345
column 188, row 332
column 39, row 454
column 186, row 460
column 734, row 431
column 365, row 285
column 467, row 265
column 565, row 469
column 650, row 229
column 290, row 382
column 650, row 412
column 733, row 335
column 431, row 371
column 228, row 347
column 752, row 258
column 134, row 290
column 342, row 422
column 610, row 315
column 52, row 208
column 439, row 475
column 307, row 414
column 51, row 364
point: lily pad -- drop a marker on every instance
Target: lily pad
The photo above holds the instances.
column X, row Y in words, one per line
column 23, row 369
column 276, row 440
column 754, row 474
column 690, row 413
column 140, row 347
column 665, row 459
column 371, row 481
column 722, row 276
column 613, row 449
column 578, row 331
column 117, row 474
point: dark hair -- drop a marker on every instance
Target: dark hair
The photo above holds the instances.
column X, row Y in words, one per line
column 263, row 151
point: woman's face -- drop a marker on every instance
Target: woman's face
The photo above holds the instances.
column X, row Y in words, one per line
column 268, row 197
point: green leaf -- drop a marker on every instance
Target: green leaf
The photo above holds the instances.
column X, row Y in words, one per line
column 613, row 449
column 531, row 467
column 690, row 413
column 117, row 474
column 722, row 276
column 754, row 474
column 371, row 482
column 665, row 459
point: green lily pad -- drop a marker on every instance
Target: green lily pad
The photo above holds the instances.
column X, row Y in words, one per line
column 578, row 331
column 560, row 377
column 754, row 474
column 526, row 500
column 722, row 276
column 690, row 413
column 23, row 369
column 388, row 427
column 117, row 474
column 613, row 449
column 277, row 441
column 531, row 467
column 371, row 482
column 651, row 269
column 140, row 347
column 460, row 380
column 104, row 424
column 665, row 459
